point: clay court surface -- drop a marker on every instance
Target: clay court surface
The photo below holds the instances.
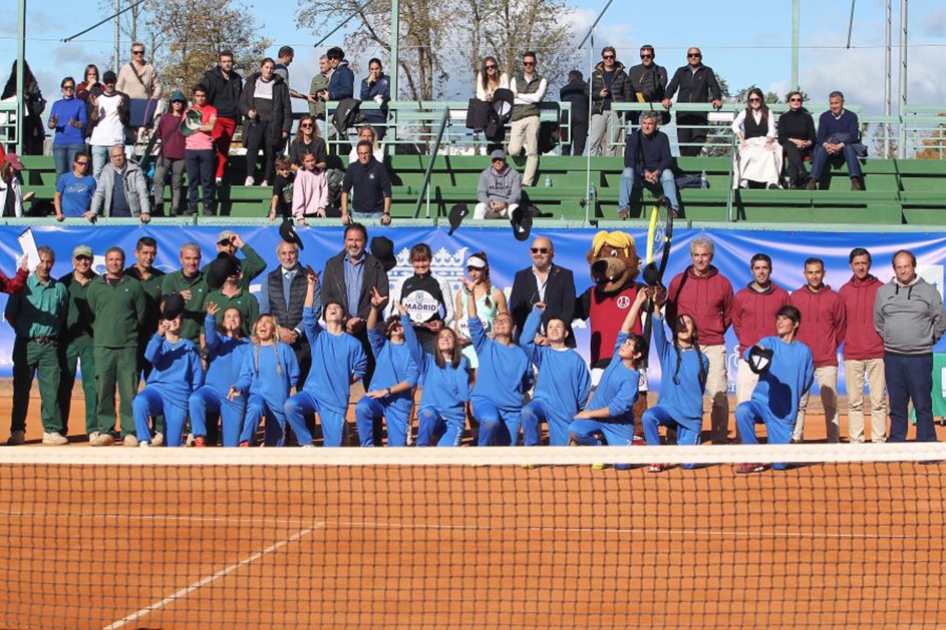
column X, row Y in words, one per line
column 819, row 546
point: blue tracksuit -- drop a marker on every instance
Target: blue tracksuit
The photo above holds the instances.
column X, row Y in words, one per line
column 225, row 356
column 176, row 374
column 503, row 375
column 561, row 389
column 393, row 365
column 617, row 391
column 680, row 403
column 336, row 360
column 775, row 399
column 266, row 377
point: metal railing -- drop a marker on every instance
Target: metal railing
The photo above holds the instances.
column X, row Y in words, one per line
column 425, row 185
column 8, row 121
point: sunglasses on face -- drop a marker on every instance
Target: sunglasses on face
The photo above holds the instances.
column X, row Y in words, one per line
column 528, row 63
column 540, row 250
column 490, row 67
column 137, row 52
column 694, row 55
column 794, row 100
column 755, row 100
column 82, row 163
column 607, row 56
column 306, row 126
column 68, row 87
column 647, row 56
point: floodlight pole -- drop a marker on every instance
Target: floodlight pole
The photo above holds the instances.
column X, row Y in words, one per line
column 20, row 76
column 796, row 28
column 395, row 59
column 850, row 25
column 888, row 80
column 904, row 22
column 118, row 37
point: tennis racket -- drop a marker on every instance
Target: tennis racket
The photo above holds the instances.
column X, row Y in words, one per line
column 659, row 237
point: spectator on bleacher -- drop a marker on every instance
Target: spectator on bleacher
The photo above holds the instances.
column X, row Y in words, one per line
column 428, row 299
column 371, row 185
column 909, row 317
column 229, row 242
column 74, row 191
column 199, row 155
column 609, row 85
column 309, row 191
column 499, row 189
column 139, row 80
column 648, row 83
column 36, row 314
column 224, row 87
column 823, row 329
column 319, row 83
column 117, row 304
column 489, row 79
column 225, row 280
column 863, row 350
column 376, row 87
column 171, row 156
column 268, row 118
column 647, row 164
column 189, row 281
column 11, row 193
column 796, row 134
column 281, row 204
column 758, row 158
column 90, row 87
column 706, row 295
column 75, row 340
column 367, row 133
column 307, row 140
column 122, row 190
column 152, row 281
column 110, row 111
column 284, row 58
column 575, row 92
column 34, row 135
column 341, row 84
column 529, row 90
column 696, row 84
column 70, row 134
column 838, row 134
column 754, row 310
column 545, row 282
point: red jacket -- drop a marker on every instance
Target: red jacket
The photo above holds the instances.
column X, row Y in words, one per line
column 753, row 313
column 707, row 299
column 822, row 323
column 861, row 341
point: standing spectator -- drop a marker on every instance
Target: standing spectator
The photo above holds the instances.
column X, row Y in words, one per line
column 863, row 350
column 152, row 281
column 117, row 304
column 319, row 83
column 697, row 84
column 70, row 134
column 647, row 162
column 281, row 203
column 74, row 191
column 838, row 133
column 758, row 158
column 529, row 91
column 285, row 56
column 34, row 105
column 372, row 188
column 341, row 84
column 609, row 85
column 171, row 157
column 575, row 92
column 190, row 283
column 91, row 86
column 139, row 80
column 796, row 134
column 224, row 87
column 36, row 314
column 224, row 280
column 122, row 189
column 544, row 282
column 367, row 133
column 754, row 312
column 648, row 82
column 908, row 316
column 309, row 191
column 199, row 155
column 822, row 330
column 265, row 104
column 706, row 295
column 489, row 79
column 307, row 140
column 376, row 87
column 499, row 189
column 427, row 298
column 11, row 193
column 110, row 111
column 75, row 341
column 229, row 242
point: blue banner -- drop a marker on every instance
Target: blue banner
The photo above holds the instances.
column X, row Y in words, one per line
column 734, row 248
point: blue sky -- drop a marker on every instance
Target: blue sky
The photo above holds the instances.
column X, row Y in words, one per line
column 745, row 43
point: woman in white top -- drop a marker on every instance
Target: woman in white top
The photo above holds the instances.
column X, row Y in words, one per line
column 367, row 133
column 489, row 79
column 490, row 302
column 758, row 158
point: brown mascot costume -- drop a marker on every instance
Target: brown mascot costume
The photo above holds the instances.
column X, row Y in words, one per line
column 614, row 268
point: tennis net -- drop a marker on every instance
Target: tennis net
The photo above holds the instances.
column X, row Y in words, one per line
column 849, row 536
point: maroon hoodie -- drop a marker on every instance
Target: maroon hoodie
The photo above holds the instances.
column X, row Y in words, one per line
column 707, row 299
column 861, row 341
column 753, row 313
column 822, row 323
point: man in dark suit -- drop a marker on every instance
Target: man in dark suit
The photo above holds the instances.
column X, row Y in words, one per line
column 576, row 93
column 543, row 282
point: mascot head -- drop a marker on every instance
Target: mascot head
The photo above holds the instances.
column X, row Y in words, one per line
column 613, row 260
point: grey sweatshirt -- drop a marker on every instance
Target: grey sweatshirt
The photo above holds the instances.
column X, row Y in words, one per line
column 505, row 186
column 910, row 319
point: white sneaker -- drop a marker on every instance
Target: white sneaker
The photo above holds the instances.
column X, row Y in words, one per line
column 264, row 183
column 101, row 439
column 16, row 438
column 54, row 439
column 158, row 439
column 249, row 181
column 218, row 180
column 130, row 440
column 143, row 444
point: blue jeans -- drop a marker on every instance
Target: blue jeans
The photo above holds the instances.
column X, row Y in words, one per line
column 64, row 155
column 99, row 159
column 822, row 158
column 631, row 180
column 366, row 215
column 910, row 378
column 201, row 166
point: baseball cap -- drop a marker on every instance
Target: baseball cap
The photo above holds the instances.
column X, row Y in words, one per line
column 13, row 160
column 82, row 250
column 109, row 77
column 226, row 235
column 498, row 155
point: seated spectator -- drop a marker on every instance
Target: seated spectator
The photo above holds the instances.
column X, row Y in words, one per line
column 171, row 156
column 796, row 134
column 282, row 190
column 758, row 158
column 110, row 111
column 70, row 134
column 307, row 140
column 376, row 87
column 367, row 133
column 74, row 191
column 499, row 190
column 11, row 194
column 371, row 185
column 199, row 155
column 309, row 191
column 647, row 162
column 122, row 189
column 838, row 133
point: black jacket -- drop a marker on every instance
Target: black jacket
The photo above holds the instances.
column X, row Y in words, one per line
column 620, row 91
column 333, row 283
column 282, row 110
column 698, row 87
column 224, row 94
column 650, row 83
column 559, row 298
column 575, row 93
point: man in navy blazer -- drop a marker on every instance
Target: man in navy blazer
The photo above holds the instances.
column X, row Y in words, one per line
column 543, row 282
